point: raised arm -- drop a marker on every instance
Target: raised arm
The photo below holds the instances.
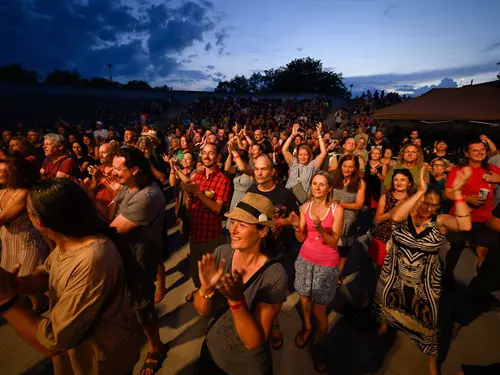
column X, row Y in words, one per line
column 240, row 164
column 462, row 219
column 321, row 157
column 401, row 212
column 286, row 154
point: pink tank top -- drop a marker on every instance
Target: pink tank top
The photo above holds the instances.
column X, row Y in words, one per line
column 314, row 249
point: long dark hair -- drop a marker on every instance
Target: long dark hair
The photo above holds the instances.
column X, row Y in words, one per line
column 135, row 158
column 338, row 177
column 64, row 207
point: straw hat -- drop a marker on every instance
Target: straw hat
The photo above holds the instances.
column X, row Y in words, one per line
column 253, row 209
column 151, row 134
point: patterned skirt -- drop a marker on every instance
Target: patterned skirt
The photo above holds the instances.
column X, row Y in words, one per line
column 407, row 295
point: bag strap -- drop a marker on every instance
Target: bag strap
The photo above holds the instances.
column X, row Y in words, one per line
column 254, row 277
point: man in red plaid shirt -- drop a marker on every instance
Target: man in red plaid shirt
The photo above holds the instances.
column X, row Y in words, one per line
column 208, row 193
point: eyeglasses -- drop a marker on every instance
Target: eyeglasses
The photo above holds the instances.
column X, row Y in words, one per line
column 438, row 166
column 430, row 205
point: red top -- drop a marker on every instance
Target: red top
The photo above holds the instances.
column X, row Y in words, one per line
column 476, row 181
column 314, row 249
column 205, row 224
column 65, row 164
column 103, row 194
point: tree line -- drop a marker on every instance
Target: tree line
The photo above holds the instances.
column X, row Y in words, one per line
column 16, row 73
column 305, row 75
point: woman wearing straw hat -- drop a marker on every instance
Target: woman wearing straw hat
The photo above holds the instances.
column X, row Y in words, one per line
column 242, row 289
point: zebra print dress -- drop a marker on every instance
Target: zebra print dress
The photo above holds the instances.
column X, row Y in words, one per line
column 409, row 287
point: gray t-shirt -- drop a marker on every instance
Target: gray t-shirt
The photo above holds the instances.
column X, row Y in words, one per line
column 144, row 207
column 495, row 160
column 224, row 344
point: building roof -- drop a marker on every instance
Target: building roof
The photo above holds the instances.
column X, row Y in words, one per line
column 469, row 103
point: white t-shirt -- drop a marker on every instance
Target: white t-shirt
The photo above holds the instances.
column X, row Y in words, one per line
column 103, row 134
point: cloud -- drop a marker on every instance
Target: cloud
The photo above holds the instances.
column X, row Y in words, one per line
column 220, row 38
column 389, row 10
column 145, row 42
column 210, row 67
column 389, row 81
column 492, row 47
column 445, row 83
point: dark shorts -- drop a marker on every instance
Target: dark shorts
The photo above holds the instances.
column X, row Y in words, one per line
column 142, row 301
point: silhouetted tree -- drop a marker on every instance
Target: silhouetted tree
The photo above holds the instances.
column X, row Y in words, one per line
column 137, row 85
column 16, row 73
column 299, row 76
column 99, row 82
column 163, row 88
column 63, row 77
column 498, row 75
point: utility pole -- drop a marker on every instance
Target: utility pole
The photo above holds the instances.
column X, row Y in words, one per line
column 110, row 76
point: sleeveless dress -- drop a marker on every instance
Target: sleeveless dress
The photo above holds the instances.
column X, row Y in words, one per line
column 21, row 243
column 350, row 216
column 316, row 267
column 409, row 287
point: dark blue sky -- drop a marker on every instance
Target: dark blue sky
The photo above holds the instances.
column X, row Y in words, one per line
column 395, row 45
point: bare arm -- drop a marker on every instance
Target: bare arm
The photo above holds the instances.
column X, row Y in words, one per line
column 36, row 283
column 26, row 321
column 123, row 225
column 319, row 160
column 286, row 154
column 332, row 238
column 15, row 208
column 254, row 330
column 462, row 219
column 301, row 230
column 241, row 165
column 360, row 198
column 380, row 215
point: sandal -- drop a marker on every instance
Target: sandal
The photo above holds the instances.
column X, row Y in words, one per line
column 276, row 339
column 319, row 358
column 157, row 358
column 301, row 334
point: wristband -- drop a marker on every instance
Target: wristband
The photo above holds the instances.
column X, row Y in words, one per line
column 7, row 305
column 237, row 305
column 320, row 136
column 469, row 214
column 236, row 157
column 206, row 296
column 460, row 200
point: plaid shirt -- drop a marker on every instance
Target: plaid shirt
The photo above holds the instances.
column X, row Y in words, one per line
column 205, row 224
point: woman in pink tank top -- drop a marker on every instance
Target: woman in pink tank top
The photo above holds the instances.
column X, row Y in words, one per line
column 316, row 268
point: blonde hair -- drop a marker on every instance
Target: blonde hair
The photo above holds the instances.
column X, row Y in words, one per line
column 329, row 181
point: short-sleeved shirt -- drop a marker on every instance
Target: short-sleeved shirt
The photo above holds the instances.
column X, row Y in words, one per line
column 144, row 207
column 66, row 165
column 90, row 324
column 284, row 203
column 224, row 344
column 205, row 224
column 476, row 182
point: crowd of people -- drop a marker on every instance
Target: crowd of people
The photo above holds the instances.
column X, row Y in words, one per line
column 272, row 199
